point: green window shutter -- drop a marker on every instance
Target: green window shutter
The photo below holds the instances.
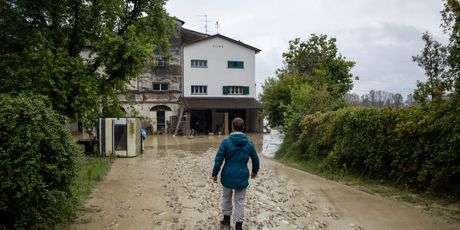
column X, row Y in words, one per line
column 225, row 90
column 245, row 90
column 235, row 64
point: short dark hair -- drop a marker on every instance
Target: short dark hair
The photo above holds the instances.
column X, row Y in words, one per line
column 238, row 124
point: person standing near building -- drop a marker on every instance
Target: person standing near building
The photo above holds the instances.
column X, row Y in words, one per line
column 235, row 152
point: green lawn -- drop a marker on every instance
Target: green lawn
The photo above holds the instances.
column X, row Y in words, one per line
column 92, row 170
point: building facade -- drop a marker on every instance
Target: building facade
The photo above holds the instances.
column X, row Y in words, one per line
column 155, row 94
column 219, row 84
column 216, row 71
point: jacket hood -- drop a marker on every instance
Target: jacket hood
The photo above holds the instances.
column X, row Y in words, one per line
column 238, row 139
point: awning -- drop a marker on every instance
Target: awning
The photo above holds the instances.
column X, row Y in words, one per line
column 220, row 103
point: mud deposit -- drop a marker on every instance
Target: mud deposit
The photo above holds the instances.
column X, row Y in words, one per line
column 169, row 187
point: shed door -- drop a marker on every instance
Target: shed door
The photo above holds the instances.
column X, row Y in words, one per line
column 120, row 138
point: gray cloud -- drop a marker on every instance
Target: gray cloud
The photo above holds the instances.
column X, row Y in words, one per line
column 381, row 36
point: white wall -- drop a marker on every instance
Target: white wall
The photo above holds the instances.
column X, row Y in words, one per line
column 218, row 52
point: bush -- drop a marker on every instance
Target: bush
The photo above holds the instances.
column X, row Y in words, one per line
column 38, row 163
column 418, row 148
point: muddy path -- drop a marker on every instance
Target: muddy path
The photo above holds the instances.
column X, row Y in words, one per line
column 169, row 187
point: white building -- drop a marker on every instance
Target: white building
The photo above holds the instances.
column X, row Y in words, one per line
column 219, row 84
column 210, row 77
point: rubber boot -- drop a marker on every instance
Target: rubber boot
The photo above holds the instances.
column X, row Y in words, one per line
column 225, row 221
column 239, row 226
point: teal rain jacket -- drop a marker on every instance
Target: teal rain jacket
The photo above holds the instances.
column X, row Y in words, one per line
column 235, row 151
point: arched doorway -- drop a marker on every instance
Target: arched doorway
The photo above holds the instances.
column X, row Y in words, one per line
column 161, row 116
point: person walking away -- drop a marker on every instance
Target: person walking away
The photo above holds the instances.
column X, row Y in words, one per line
column 235, row 152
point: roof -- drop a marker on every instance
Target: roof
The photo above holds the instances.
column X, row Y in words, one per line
column 228, row 39
column 220, row 103
column 189, row 36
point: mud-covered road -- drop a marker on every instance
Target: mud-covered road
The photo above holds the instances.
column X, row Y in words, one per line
column 169, row 187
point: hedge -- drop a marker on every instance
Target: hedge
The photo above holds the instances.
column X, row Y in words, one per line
column 38, row 163
column 418, row 148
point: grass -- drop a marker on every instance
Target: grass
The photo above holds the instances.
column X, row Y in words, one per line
column 92, row 170
column 435, row 203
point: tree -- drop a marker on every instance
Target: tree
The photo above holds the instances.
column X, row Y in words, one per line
column 318, row 60
column 451, row 26
column 410, row 100
column 352, row 98
column 398, row 100
column 315, row 78
column 43, row 42
column 433, row 60
column 276, row 96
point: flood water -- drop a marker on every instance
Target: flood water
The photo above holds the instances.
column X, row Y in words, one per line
column 169, row 187
column 266, row 144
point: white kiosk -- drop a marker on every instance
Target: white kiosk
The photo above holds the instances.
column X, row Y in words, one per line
column 119, row 136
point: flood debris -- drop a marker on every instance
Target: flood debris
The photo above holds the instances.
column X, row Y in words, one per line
column 170, row 187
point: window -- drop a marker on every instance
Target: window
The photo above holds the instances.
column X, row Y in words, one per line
column 162, row 62
column 199, row 89
column 160, row 86
column 235, row 64
column 236, row 90
column 199, row 63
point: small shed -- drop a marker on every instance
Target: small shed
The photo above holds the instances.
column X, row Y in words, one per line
column 119, row 136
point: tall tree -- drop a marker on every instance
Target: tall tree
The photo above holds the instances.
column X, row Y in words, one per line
column 433, row 59
column 398, row 100
column 79, row 53
column 319, row 60
column 451, row 26
column 315, row 78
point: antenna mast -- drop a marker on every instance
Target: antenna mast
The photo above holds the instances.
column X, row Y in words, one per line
column 217, row 26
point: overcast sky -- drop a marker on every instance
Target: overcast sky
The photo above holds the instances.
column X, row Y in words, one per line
column 380, row 36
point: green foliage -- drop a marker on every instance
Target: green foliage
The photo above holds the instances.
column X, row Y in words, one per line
column 318, row 59
column 38, row 164
column 433, row 60
column 412, row 147
column 42, row 42
column 276, row 97
column 451, row 26
column 315, row 79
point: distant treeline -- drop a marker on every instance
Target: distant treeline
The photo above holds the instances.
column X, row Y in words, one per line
column 380, row 98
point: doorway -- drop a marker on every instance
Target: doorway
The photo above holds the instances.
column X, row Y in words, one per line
column 201, row 121
column 232, row 114
column 161, row 117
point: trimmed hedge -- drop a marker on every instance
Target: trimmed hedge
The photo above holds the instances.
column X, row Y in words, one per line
column 38, row 163
column 414, row 147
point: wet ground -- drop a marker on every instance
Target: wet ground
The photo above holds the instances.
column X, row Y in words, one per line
column 169, row 187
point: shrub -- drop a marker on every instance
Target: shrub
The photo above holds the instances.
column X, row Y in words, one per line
column 418, row 148
column 38, row 163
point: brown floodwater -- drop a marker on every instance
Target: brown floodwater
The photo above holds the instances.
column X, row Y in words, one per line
column 169, row 187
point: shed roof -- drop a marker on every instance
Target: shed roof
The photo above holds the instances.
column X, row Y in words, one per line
column 220, row 103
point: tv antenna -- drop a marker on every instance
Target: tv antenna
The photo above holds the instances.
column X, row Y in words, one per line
column 217, row 26
column 205, row 22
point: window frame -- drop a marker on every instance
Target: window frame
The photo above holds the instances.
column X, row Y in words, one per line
column 161, row 86
column 235, row 65
column 236, row 90
column 162, row 62
column 197, row 62
column 202, row 88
